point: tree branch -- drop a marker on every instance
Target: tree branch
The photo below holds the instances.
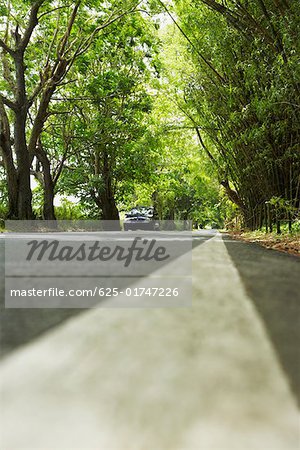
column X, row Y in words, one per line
column 60, row 167
column 6, row 48
column 7, row 73
column 8, row 102
column 204, row 146
column 85, row 45
column 64, row 39
column 32, row 23
column 53, row 10
column 5, row 142
column 38, row 176
column 220, row 77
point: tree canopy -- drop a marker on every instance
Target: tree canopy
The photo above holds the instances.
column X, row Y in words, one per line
column 191, row 106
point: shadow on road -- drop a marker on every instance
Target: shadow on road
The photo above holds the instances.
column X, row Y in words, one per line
column 272, row 282
column 20, row 326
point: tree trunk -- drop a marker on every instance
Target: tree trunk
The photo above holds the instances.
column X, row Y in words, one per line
column 278, row 224
column 110, row 213
column 233, row 195
column 12, row 187
column 48, row 183
column 11, row 178
column 290, row 223
column 109, row 208
column 18, row 180
column 278, row 228
column 24, row 190
column 155, row 203
column 266, row 217
column 270, row 218
column 48, row 207
column 23, row 159
column 24, row 194
column 11, row 173
column 106, row 196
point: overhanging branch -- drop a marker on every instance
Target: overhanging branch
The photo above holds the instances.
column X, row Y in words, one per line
column 32, row 23
column 6, row 48
column 8, row 102
column 220, row 77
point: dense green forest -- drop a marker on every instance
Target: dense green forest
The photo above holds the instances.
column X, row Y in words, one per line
column 192, row 106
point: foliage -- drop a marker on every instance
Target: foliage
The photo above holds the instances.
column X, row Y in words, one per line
column 110, row 152
column 69, row 210
column 104, row 102
column 244, row 93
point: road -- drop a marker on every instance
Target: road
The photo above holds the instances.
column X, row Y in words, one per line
column 220, row 375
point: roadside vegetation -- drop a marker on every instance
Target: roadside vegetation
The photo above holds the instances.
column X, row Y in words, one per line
column 190, row 106
column 288, row 242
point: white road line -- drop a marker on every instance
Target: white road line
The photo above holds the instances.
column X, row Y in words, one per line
column 204, row 378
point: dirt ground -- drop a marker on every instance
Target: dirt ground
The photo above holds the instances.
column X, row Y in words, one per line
column 284, row 242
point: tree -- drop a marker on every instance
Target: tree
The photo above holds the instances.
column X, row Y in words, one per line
column 38, row 54
column 244, row 94
column 112, row 120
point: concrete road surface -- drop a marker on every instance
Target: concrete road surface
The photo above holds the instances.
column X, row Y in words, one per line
column 220, row 375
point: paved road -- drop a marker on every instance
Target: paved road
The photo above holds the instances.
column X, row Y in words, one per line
column 221, row 375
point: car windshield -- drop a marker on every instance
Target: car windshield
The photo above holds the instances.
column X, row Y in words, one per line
column 135, row 214
column 140, row 211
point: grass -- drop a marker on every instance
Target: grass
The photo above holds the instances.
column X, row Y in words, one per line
column 285, row 242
